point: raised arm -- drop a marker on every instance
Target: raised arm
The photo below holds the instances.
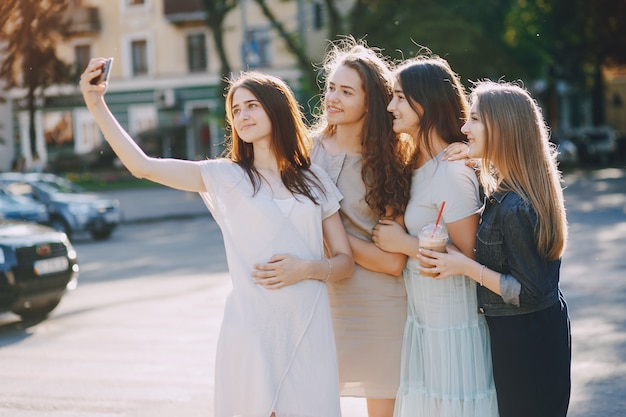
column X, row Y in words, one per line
column 175, row 173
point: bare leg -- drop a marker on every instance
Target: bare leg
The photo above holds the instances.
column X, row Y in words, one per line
column 380, row 407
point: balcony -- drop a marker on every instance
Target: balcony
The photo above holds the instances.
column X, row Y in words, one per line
column 184, row 12
column 84, row 20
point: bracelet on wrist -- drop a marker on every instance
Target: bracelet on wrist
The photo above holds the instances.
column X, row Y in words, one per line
column 330, row 269
column 482, row 268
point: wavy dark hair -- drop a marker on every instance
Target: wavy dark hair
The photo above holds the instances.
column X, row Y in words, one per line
column 384, row 171
column 290, row 143
column 443, row 105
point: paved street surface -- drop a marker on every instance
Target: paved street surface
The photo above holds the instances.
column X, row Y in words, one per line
column 594, row 282
column 137, row 337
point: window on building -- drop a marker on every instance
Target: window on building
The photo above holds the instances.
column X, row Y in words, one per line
column 196, row 52
column 87, row 135
column 139, row 52
column 82, row 55
column 257, row 48
column 141, row 118
column 134, row 6
column 318, row 15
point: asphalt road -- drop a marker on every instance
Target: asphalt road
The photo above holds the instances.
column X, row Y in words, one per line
column 137, row 337
column 594, row 282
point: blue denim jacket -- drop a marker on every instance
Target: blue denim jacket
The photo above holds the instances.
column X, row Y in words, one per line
column 505, row 242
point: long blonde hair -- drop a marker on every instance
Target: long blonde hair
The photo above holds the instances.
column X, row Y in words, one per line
column 518, row 157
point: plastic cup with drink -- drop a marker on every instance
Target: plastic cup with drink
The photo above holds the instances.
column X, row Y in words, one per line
column 433, row 237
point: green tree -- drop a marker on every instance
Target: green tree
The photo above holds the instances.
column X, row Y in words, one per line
column 29, row 32
column 217, row 10
column 294, row 45
column 335, row 21
column 569, row 40
column 467, row 34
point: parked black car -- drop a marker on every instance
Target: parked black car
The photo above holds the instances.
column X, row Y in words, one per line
column 67, row 160
column 21, row 208
column 71, row 209
column 38, row 265
column 595, row 144
column 567, row 151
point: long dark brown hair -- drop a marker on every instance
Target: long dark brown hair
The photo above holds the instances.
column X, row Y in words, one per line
column 290, row 142
column 430, row 82
column 384, row 171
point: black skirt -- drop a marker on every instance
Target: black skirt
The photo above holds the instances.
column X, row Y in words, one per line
column 532, row 357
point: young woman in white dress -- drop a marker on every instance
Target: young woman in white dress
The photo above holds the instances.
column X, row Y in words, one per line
column 276, row 352
column 446, row 362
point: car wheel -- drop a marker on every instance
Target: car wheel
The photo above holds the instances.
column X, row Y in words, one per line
column 101, row 235
column 60, row 225
column 39, row 312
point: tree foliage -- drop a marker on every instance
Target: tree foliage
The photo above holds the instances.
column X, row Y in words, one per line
column 293, row 44
column 570, row 40
column 465, row 33
column 29, row 32
column 217, row 10
column 551, row 40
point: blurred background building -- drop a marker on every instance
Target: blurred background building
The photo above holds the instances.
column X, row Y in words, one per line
column 166, row 84
column 171, row 58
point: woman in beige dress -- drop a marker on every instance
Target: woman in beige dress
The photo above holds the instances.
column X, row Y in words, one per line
column 354, row 142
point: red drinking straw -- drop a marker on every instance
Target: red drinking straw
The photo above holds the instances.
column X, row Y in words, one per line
column 443, row 204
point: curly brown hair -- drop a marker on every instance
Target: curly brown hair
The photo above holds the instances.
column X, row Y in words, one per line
column 385, row 172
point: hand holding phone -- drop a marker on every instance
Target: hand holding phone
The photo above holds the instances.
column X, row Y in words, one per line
column 106, row 70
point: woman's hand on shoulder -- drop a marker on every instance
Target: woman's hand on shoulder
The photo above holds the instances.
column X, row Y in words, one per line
column 458, row 151
column 455, row 151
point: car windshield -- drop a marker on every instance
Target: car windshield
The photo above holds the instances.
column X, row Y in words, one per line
column 7, row 197
column 4, row 198
column 56, row 187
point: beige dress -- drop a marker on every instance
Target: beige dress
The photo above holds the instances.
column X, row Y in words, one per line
column 369, row 309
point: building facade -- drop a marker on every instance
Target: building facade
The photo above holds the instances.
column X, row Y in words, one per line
column 165, row 85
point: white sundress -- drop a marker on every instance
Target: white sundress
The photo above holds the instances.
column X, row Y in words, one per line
column 276, row 349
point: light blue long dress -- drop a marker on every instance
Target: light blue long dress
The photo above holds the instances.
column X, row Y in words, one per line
column 446, row 358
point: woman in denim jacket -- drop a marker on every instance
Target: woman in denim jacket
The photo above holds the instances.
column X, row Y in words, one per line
column 519, row 244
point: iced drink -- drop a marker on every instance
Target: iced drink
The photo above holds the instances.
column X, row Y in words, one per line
column 433, row 239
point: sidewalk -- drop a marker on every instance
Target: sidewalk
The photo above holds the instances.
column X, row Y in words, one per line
column 592, row 279
column 157, row 203
column 162, row 203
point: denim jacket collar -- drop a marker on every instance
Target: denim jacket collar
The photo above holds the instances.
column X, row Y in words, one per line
column 499, row 195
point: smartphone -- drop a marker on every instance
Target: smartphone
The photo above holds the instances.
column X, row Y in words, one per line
column 106, row 70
